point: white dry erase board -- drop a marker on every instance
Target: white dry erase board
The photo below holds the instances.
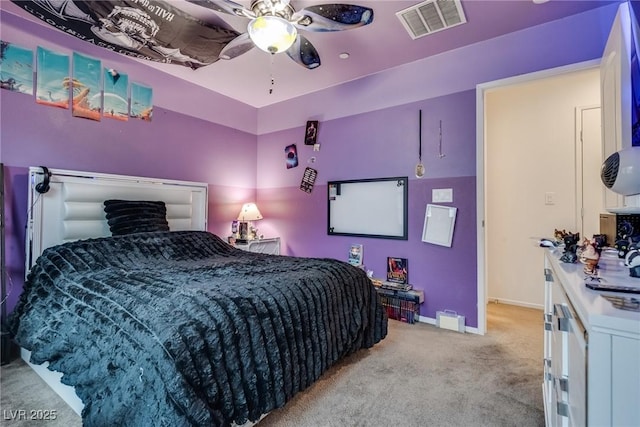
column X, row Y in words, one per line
column 439, row 222
column 369, row 208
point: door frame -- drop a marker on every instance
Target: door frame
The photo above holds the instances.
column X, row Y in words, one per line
column 579, row 142
column 481, row 90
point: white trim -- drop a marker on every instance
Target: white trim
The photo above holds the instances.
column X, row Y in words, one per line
column 579, row 163
column 516, row 303
column 481, row 89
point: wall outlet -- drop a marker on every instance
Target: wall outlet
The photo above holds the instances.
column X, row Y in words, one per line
column 442, row 195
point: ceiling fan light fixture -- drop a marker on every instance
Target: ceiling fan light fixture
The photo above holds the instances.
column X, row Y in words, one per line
column 272, row 34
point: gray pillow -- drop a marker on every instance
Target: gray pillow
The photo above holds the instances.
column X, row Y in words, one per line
column 135, row 216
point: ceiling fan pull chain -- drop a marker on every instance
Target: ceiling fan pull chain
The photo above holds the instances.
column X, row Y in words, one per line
column 440, row 148
column 273, row 80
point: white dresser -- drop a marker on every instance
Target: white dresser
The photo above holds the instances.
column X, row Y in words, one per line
column 591, row 348
column 270, row 246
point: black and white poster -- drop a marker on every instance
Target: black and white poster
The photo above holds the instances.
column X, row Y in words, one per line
column 154, row 30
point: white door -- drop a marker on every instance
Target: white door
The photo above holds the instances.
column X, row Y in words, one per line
column 590, row 190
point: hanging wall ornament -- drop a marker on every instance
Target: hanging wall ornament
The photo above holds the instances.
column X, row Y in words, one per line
column 420, row 170
column 440, row 153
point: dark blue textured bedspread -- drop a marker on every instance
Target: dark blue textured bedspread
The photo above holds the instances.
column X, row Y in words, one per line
column 179, row 328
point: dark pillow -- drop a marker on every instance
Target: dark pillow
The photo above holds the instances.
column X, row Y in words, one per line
column 135, row 216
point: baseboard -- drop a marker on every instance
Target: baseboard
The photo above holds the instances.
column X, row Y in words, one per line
column 513, row 302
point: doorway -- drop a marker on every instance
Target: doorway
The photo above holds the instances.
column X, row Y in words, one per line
column 526, row 176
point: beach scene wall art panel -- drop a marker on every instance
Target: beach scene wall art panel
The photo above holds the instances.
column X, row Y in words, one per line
column 16, row 68
column 53, row 83
column 115, row 97
column 86, row 87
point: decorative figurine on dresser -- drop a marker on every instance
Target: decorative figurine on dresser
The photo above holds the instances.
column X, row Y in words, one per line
column 589, row 254
column 632, row 260
column 570, row 247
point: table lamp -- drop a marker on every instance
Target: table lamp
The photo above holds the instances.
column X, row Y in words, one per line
column 248, row 214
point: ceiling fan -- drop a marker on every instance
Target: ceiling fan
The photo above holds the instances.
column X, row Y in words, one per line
column 274, row 26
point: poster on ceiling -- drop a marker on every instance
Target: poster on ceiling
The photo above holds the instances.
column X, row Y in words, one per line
column 115, row 99
column 16, row 68
column 85, row 86
column 153, row 30
column 53, row 82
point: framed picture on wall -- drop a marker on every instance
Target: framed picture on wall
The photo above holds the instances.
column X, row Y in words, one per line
column 311, row 132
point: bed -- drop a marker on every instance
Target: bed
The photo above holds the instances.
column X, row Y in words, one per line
column 179, row 328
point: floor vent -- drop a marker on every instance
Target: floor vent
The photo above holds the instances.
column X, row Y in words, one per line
column 431, row 16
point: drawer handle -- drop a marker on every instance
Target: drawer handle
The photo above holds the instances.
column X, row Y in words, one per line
column 564, row 384
column 563, row 409
column 548, row 275
column 563, row 324
column 548, row 326
column 563, row 317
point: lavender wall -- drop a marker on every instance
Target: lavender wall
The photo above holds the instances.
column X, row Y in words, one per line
column 383, row 144
column 360, row 137
column 172, row 146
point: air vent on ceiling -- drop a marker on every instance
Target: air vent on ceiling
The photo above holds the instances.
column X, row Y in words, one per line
column 431, row 16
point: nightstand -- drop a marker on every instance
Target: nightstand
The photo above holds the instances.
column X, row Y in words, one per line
column 269, row 246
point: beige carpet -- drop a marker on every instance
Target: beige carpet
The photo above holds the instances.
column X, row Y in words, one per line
column 418, row 376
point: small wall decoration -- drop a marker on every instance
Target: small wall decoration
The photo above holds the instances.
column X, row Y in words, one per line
column 141, row 105
column 116, row 103
column 16, row 68
column 85, row 86
column 311, row 132
column 308, row 179
column 439, row 223
column 292, row 156
column 53, row 82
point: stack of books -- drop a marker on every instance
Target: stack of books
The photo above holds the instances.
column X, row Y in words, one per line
column 401, row 304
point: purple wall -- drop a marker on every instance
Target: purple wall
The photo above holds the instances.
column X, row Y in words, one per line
column 379, row 141
column 172, row 146
column 375, row 145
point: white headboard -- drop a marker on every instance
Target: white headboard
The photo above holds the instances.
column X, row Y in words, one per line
column 73, row 207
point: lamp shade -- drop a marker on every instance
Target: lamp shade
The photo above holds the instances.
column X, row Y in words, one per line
column 272, row 33
column 249, row 212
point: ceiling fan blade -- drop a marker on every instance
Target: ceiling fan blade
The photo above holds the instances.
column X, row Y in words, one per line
column 237, row 47
column 225, row 6
column 303, row 52
column 332, row 17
